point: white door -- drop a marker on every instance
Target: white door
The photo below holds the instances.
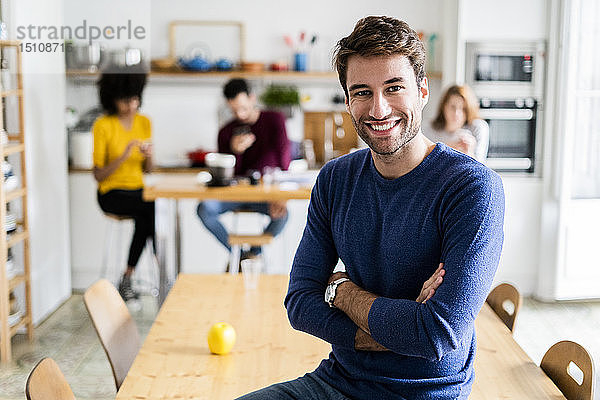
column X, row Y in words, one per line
column 574, row 263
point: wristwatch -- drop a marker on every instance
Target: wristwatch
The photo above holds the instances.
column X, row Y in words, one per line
column 331, row 290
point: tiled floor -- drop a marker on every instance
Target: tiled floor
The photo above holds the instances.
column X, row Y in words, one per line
column 69, row 338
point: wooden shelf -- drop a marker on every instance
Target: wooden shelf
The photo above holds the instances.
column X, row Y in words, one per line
column 16, row 281
column 16, row 238
column 14, row 110
column 15, row 194
column 22, row 322
column 175, row 73
column 9, row 43
column 7, row 93
column 13, row 148
column 276, row 75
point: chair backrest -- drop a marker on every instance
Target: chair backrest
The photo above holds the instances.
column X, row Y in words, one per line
column 505, row 292
column 47, row 382
column 556, row 364
column 115, row 327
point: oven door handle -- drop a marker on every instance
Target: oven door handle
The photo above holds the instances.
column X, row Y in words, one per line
column 504, row 113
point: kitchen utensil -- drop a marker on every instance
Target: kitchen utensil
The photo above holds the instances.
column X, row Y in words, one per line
column 253, row 66
column 163, row 63
column 81, row 146
column 300, row 61
column 221, row 167
column 279, row 66
column 125, row 57
column 223, row 64
column 203, row 177
column 197, row 63
column 288, row 40
column 197, row 157
column 84, row 56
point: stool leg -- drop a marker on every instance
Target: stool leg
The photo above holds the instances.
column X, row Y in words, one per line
column 154, row 268
column 119, row 251
column 234, row 259
column 105, row 252
column 109, row 271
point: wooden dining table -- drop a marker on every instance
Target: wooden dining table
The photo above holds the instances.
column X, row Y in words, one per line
column 167, row 190
column 175, row 362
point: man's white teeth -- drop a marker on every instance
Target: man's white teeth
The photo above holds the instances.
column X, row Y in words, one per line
column 383, row 127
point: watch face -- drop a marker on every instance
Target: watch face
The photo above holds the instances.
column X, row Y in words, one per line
column 328, row 293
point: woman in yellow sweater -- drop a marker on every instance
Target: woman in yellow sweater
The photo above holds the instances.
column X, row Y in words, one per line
column 122, row 153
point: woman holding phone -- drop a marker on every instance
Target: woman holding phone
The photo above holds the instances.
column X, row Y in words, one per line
column 458, row 124
column 122, row 153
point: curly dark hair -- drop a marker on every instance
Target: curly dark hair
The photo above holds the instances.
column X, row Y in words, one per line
column 234, row 87
column 120, row 84
column 380, row 36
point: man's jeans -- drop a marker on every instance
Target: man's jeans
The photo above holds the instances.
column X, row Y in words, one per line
column 210, row 210
column 308, row 387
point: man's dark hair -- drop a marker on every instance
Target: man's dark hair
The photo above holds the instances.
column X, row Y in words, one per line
column 380, row 36
column 235, row 87
column 120, row 84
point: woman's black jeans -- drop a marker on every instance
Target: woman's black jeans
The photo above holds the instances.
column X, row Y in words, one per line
column 130, row 203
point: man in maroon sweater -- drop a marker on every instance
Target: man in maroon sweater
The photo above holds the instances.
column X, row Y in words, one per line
column 259, row 141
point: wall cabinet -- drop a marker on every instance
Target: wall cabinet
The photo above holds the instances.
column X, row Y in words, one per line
column 331, row 134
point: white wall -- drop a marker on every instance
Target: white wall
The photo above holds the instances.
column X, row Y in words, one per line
column 44, row 86
column 184, row 113
column 509, row 20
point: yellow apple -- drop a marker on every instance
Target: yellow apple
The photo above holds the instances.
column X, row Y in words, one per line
column 221, row 338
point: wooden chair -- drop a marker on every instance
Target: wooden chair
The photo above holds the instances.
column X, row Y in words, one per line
column 115, row 327
column 501, row 294
column 47, row 382
column 556, row 363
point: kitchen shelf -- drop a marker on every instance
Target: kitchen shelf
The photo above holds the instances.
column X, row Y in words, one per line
column 13, row 148
column 14, row 194
column 219, row 74
column 162, row 75
column 16, row 238
column 271, row 75
column 16, row 281
column 25, row 320
column 6, row 93
column 16, row 146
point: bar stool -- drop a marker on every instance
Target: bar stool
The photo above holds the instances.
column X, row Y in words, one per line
column 239, row 241
column 113, row 267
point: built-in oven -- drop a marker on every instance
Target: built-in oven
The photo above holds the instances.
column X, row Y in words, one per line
column 508, row 78
column 513, row 127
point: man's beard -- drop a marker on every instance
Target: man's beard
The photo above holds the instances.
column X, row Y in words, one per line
column 389, row 145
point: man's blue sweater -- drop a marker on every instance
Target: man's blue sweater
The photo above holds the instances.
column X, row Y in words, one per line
column 391, row 235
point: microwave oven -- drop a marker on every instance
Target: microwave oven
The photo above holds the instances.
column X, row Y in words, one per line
column 506, row 69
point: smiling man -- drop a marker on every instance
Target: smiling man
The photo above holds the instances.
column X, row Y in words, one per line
column 392, row 213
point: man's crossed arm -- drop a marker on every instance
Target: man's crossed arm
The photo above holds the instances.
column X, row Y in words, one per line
column 356, row 303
